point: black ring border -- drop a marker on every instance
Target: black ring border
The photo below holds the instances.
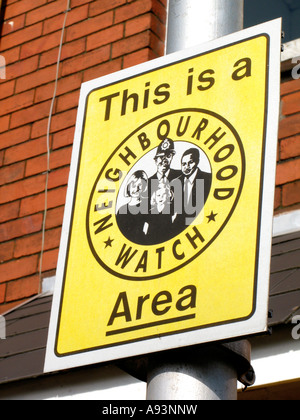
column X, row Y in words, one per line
column 243, row 161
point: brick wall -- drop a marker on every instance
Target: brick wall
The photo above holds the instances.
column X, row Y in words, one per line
column 288, row 168
column 101, row 36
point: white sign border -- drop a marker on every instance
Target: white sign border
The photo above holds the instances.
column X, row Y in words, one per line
column 256, row 323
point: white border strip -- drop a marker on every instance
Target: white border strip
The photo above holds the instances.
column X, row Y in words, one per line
column 291, row 50
column 286, row 223
column 258, row 321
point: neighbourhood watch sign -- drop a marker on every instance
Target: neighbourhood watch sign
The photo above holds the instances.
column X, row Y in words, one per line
column 167, row 230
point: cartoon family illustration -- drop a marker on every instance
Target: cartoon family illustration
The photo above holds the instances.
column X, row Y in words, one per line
column 161, row 206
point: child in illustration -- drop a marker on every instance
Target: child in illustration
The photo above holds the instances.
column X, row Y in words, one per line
column 160, row 218
column 131, row 217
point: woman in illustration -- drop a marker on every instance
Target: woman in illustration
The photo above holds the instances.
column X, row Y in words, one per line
column 131, row 217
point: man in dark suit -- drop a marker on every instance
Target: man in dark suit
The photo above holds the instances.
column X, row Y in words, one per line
column 195, row 186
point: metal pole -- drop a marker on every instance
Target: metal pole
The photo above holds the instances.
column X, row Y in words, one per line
column 194, row 22
column 192, row 374
column 197, row 374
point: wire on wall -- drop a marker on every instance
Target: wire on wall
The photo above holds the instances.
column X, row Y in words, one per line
column 68, row 9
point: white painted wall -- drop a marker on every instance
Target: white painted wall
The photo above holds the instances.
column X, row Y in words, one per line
column 94, row 383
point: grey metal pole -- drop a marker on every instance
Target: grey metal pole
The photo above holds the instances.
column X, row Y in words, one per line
column 196, row 375
column 192, row 374
column 194, row 22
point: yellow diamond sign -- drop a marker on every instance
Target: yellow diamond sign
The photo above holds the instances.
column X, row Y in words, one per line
column 167, row 229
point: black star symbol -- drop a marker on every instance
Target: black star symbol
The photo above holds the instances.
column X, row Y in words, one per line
column 212, row 217
column 108, row 242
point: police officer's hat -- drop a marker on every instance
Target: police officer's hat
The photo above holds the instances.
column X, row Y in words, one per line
column 165, row 147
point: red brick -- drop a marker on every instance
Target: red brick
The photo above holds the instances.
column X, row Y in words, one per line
column 25, row 150
column 31, row 205
column 4, row 123
column 61, row 157
column 16, row 102
column 289, row 126
column 20, row 227
column 48, row 10
column 159, row 10
column 42, row 93
column 28, row 115
column 89, row 26
column 104, row 37
column 158, row 28
column 59, row 122
column 54, row 217
column 43, row 43
column 65, row 84
column 291, row 104
column 36, row 165
column 50, row 260
column 137, row 57
column 12, row 173
column 69, row 50
column 12, row 55
column 6, row 251
column 290, row 86
column 12, row 137
column 21, row 7
column 2, row 293
column 13, row 25
column 9, row 211
column 76, row 3
column 128, row 45
column 288, row 172
column 16, row 70
column 102, row 6
column 132, row 10
column 32, row 244
column 53, row 24
column 28, row 34
column 58, row 177
column 7, row 89
column 58, row 159
column 18, row 268
column 164, row 3
column 19, row 289
column 103, row 69
column 85, row 61
column 35, row 79
column 277, row 200
column 290, row 147
column 139, row 24
column 23, row 188
column 63, row 138
column 75, row 15
column 63, row 120
column 67, row 101
column 291, row 194
column 156, row 45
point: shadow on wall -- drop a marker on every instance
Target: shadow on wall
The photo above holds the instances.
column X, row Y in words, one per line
column 259, row 11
